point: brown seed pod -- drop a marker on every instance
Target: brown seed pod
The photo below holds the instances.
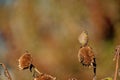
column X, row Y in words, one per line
column 86, row 56
column 44, row 77
column 25, row 61
column 72, row 79
column 83, row 38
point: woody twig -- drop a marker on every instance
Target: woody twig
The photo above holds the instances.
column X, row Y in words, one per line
column 6, row 72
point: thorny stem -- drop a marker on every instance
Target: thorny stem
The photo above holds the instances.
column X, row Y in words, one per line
column 7, row 74
column 117, row 64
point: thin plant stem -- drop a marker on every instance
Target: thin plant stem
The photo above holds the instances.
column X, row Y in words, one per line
column 117, row 65
column 6, row 72
column 37, row 70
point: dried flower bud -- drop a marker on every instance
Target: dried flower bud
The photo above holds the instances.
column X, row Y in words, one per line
column 72, row 79
column 45, row 77
column 83, row 38
column 25, row 61
column 117, row 50
column 86, row 56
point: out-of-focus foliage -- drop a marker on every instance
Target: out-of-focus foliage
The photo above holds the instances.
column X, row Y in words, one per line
column 107, row 78
column 49, row 29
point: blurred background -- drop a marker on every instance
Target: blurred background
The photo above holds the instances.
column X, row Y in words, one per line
column 49, row 30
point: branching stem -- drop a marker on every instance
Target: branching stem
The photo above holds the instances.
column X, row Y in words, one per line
column 6, row 72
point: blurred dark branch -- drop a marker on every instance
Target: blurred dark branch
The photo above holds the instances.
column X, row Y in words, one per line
column 118, row 11
column 101, row 22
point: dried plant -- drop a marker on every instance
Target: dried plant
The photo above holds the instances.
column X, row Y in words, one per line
column 44, row 77
column 6, row 72
column 86, row 55
column 25, row 62
column 116, row 58
column 72, row 79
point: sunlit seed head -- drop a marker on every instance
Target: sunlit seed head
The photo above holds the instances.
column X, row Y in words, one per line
column 45, row 77
column 72, row 79
column 25, row 61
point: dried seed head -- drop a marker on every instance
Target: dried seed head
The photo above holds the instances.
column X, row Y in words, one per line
column 86, row 56
column 45, row 77
column 117, row 52
column 72, row 79
column 25, row 61
column 83, row 38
